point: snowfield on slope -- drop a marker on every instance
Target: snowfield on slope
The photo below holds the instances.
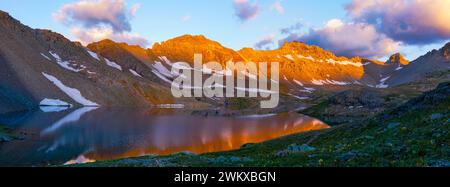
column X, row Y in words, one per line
column 94, row 55
column 332, row 82
column 162, row 69
column 289, row 57
column 45, row 56
column 398, row 68
column 382, row 83
column 334, row 62
column 71, row 92
column 135, row 73
column 66, row 64
column 306, row 58
column 113, row 64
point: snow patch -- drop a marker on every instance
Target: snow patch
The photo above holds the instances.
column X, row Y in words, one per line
column 327, row 81
column 299, row 97
column 318, row 82
column 45, row 56
column 334, row 62
column 71, row 92
column 385, row 79
column 308, row 90
column 382, row 83
column 334, row 82
column 162, row 69
column 162, row 76
column 66, row 64
column 357, row 82
column 113, row 64
column 398, row 68
column 289, row 57
column 135, row 73
column 94, row 55
column 166, row 60
column 298, row 82
column 91, row 72
column 181, row 67
column 307, row 58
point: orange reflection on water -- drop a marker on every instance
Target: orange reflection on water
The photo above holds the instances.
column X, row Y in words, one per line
column 214, row 134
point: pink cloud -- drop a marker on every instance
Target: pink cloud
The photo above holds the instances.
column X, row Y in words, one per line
column 277, row 6
column 265, row 42
column 87, row 36
column 348, row 39
column 94, row 13
column 411, row 21
column 94, row 20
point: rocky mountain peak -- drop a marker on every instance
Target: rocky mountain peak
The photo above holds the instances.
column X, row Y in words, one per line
column 3, row 14
column 294, row 44
column 191, row 37
column 187, row 41
column 446, row 51
column 104, row 42
column 308, row 51
column 397, row 58
column 7, row 21
column 184, row 47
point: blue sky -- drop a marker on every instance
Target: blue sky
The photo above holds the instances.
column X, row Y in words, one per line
column 159, row 20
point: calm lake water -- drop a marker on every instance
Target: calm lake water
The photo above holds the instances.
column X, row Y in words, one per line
column 92, row 134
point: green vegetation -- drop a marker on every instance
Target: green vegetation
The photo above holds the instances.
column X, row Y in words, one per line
column 416, row 134
column 359, row 104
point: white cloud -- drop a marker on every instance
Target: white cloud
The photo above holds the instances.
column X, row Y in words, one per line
column 186, row 18
column 246, row 10
column 334, row 24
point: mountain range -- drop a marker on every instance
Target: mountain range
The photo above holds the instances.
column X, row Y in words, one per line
column 43, row 68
